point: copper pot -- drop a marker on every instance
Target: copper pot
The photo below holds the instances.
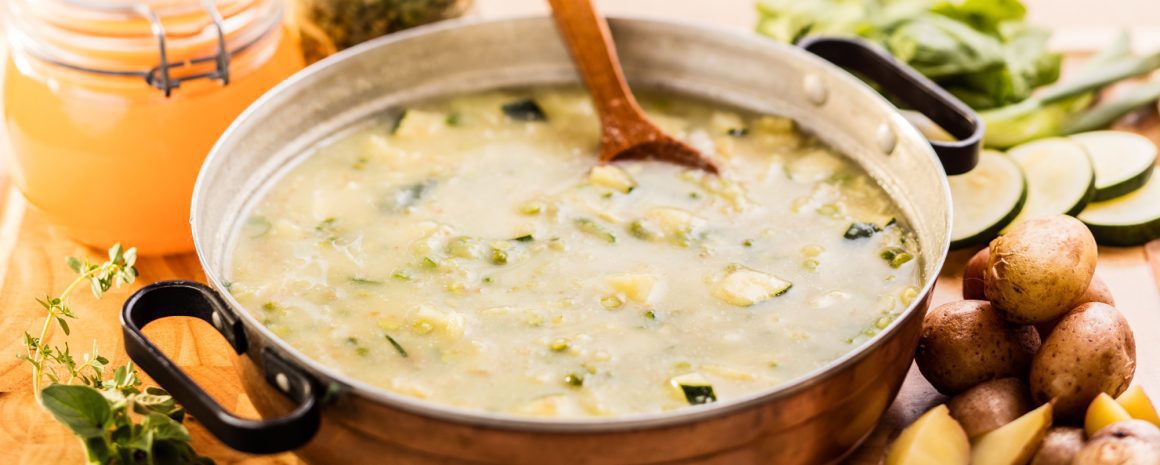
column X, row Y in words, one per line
column 329, row 418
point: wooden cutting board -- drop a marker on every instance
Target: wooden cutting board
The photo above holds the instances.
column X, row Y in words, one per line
column 32, row 264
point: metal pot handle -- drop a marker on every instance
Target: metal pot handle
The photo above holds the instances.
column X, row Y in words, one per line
column 187, row 298
column 915, row 90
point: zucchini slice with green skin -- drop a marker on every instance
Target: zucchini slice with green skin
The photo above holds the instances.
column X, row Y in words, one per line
column 1128, row 220
column 986, row 199
column 1060, row 178
column 1123, row 161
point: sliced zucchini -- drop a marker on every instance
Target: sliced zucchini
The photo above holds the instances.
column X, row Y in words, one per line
column 1128, row 220
column 1123, row 161
column 986, row 199
column 1060, row 178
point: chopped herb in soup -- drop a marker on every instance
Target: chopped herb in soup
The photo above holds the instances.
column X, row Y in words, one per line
column 472, row 253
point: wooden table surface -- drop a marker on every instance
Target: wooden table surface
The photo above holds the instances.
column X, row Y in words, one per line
column 32, row 264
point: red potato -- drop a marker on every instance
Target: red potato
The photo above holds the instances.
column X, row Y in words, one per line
column 1091, row 350
column 1040, row 268
column 973, row 275
column 990, row 405
column 1059, row 447
column 1097, row 291
column 1131, row 442
column 967, row 342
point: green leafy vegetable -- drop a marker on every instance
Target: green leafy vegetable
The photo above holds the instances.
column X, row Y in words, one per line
column 117, row 422
column 982, row 52
column 979, row 50
column 1064, row 108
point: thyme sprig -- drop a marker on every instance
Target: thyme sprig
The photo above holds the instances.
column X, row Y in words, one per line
column 117, row 422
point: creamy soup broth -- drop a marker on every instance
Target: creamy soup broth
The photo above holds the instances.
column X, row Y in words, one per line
column 473, row 253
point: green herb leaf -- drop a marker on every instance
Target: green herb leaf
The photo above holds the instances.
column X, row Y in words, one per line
column 74, row 264
column 164, row 428
column 365, row 281
column 398, row 347
column 83, row 409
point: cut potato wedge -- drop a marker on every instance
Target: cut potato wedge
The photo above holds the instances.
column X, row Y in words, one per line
column 1015, row 442
column 1129, row 220
column 1060, row 178
column 986, row 199
column 934, row 439
column 1123, row 161
column 1138, row 405
column 1102, row 412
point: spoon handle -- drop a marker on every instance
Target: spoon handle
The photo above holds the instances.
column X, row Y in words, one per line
column 586, row 34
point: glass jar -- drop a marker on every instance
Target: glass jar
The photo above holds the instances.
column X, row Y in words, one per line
column 111, row 105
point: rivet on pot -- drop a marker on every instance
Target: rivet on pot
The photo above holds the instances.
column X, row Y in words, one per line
column 816, row 91
column 282, row 381
column 217, row 320
column 886, row 138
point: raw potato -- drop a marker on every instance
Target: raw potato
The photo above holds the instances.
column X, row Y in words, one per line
column 1091, row 350
column 1132, row 442
column 1103, row 411
column 1039, row 268
column 1060, row 446
column 973, row 275
column 1015, row 442
column 967, row 342
column 1097, row 291
column 1137, row 403
column 989, row 405
column 934, row 439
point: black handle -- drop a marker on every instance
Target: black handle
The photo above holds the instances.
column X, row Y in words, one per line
column 188, row 298
column 913, row 89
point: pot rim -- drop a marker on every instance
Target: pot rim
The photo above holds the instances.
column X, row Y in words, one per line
column 492, row 420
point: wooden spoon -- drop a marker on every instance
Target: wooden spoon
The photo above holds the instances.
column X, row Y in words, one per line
column 625, row 131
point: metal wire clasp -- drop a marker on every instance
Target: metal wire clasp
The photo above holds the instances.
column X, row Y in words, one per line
column 160, row 76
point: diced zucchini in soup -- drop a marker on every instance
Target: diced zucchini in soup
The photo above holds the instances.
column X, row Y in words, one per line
column 476, row 255
column 727, row 123
column 816, row 165
column 416, row 124
column 637, row 287
column 694, row 388
column 611, row 177
column 744, row 287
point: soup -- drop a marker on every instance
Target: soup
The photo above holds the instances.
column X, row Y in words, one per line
column 474, row 254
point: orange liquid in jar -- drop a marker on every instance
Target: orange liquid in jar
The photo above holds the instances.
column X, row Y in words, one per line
column 112, row 159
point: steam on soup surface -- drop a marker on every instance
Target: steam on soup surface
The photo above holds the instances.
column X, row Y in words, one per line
column 475, row 255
